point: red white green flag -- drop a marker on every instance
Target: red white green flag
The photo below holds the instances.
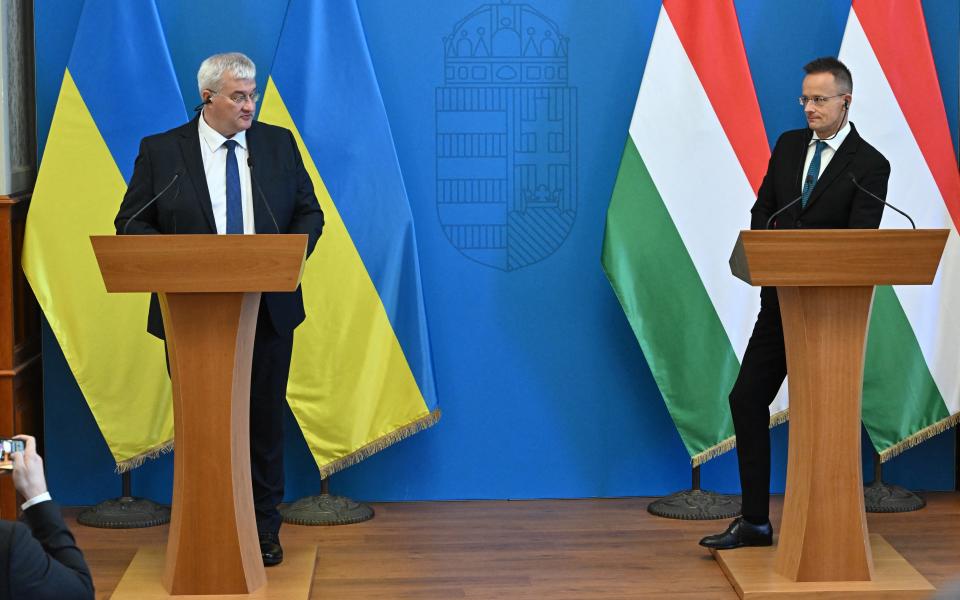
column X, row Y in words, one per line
column 693, row 162
column 912, row 375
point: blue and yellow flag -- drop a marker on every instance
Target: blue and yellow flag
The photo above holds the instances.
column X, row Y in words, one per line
column 362, row 374
column 119, row 86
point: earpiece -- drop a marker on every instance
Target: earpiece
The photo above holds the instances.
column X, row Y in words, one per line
column 200, row 106
column 846, row 104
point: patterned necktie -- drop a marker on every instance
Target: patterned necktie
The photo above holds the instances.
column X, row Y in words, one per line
column 813, row 173
column 234, row 206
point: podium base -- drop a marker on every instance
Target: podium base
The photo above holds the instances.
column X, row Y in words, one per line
column 750, row 571
column 291, row 579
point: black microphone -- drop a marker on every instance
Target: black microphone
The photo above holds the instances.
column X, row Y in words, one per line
column 853, row 178
column 200, row 106
column 262, row 196
column 788, row 205
column 176, row 176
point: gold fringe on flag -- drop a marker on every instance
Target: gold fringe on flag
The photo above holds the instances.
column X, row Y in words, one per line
column 919, row 437
column 134, row 462
column 379, row 444
column 731, row 442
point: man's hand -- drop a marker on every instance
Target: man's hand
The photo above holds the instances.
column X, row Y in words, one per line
column 28, row 469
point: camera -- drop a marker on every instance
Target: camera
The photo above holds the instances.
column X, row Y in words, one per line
column 7, row 447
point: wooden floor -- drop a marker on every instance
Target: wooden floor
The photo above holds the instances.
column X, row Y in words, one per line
column 557, row 549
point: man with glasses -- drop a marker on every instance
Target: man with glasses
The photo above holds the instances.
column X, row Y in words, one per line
column 813, row 177
column 225, row 173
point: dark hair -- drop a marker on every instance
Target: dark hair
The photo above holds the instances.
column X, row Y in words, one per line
column 829, row 64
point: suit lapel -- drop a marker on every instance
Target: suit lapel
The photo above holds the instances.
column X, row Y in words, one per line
column 262, row 223
column 190, row 147
column 801, row 157
column 799, row 151
column 838, row 164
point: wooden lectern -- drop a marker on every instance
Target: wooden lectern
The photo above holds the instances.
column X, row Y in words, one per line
column 824, row 281
column 209, row 288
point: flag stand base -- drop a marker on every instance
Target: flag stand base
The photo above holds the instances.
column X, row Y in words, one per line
column 125, row 512
column 326, row 509
column 880, row 497
column 696, row 504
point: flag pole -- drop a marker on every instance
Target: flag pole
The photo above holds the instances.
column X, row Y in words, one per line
column 880, row 497
column 696, row 504
column 326, row 509
column 125, row 512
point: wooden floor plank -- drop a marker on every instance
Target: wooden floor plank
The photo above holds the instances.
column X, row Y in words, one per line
column 602, row 549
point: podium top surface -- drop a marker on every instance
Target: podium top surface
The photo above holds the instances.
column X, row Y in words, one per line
column 201, row 263
column 838, row 257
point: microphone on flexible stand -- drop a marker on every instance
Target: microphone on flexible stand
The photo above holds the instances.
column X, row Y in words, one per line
column 853, row 178
column 788, row 205
column 262, row 196
column 176, row 176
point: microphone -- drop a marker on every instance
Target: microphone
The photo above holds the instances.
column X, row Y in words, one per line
column 853, row 178
column 262, row 196
column 176, row 176
column 788, row 205
column 200, row 106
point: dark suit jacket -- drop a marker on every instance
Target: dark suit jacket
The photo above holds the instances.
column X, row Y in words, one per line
column 835, row 202
column 186, row 208
column 41, row 561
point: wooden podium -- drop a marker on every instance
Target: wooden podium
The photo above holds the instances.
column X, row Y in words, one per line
column 209, row 288
column 824, row 281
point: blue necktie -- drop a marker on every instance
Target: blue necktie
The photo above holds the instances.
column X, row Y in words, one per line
column 813, row 173
column 234, row 205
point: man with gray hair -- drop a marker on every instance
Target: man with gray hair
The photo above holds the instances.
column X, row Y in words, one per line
column 225, row 173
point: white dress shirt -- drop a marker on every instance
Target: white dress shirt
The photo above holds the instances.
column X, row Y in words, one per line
column 44, row 497
column 214, row 155
column 826, row 154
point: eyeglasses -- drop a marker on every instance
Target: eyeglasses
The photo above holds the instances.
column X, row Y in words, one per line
column 240, row 98
column 817, row 100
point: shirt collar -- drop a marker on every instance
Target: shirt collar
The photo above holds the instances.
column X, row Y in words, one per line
column 837, row 140
column 213, row 139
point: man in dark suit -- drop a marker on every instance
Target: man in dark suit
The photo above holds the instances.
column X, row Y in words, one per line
column 815, row 166
column 225, row 173
column 40, row 559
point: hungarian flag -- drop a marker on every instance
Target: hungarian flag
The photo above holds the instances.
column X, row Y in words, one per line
column 693, row 162
column 912, row 376
column 689, row 174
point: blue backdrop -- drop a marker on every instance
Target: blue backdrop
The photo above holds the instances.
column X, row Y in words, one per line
column 544, row 389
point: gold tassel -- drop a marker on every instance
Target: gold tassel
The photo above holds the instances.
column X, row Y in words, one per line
column 132, row 463
column 379, row 444
column 731, row 442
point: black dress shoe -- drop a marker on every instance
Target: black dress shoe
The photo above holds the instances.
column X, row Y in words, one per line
column 270, row 549
column 740, row 533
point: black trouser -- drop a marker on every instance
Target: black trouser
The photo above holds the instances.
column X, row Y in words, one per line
column 268, row 389
column 762, row 372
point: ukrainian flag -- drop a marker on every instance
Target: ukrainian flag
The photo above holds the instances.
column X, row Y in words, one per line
column 119, row 86
column 362, row 374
